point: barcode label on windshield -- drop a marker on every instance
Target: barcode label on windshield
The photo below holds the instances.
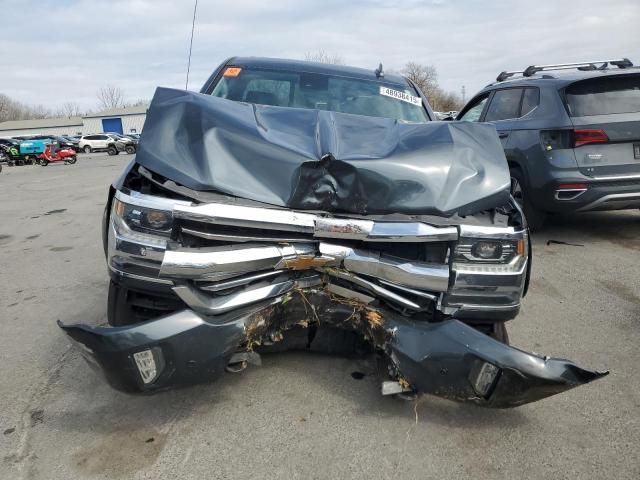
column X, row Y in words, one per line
column 398, row 95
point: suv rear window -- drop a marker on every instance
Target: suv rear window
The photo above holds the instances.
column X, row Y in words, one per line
column 322, row 92
column 604, row 96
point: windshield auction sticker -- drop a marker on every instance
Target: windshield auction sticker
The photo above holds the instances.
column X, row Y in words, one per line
column 398, row 95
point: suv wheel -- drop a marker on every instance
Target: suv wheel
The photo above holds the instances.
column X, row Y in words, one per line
column 130, row 149
column 112, row 150
column 535, row 218
column 87, row 149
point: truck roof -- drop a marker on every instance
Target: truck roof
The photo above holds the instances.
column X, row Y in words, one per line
column 314, row 67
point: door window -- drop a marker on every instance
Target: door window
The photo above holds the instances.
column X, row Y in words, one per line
column 530, row 100
column 505, row 104
column 473, row 113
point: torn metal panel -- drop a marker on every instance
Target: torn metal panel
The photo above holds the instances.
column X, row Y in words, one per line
column 193, row 349
column 449, row 359
column 445, row 359
column 323, row 160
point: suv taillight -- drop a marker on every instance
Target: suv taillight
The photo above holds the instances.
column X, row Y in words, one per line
column 559, row 139
column 585, row 136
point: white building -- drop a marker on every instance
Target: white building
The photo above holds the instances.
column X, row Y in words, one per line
column 54, row 126
column 118, row 120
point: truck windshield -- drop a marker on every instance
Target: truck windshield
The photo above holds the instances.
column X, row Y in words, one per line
column 321, row 92
column 604, row 96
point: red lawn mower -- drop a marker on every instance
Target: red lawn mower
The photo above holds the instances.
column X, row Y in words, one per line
column 66, row 155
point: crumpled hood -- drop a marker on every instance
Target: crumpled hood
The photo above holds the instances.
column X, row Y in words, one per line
column 321, row 160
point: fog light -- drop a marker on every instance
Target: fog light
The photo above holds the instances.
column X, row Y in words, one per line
column 149, row 363
column 483, row 376
column 487, row 250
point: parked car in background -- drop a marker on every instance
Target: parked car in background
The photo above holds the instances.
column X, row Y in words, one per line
column 10, row 142
column 122, row 143
column 571, row 135
column 97, row 142
column 72, row 142
column 61, row 141
column 320, row 204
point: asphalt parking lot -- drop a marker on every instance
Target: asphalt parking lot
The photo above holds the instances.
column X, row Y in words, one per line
column 301, row 415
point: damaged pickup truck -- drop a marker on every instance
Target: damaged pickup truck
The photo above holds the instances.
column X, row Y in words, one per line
column 298, row 205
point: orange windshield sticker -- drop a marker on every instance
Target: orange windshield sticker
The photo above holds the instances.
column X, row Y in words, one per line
column 232, row 71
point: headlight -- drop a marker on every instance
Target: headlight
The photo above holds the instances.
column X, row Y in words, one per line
column 143, row 219
column 489, row 250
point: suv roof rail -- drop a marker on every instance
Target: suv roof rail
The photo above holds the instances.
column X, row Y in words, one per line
column 591, row 65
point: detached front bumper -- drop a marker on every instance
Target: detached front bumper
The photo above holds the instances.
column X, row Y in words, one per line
column 243, row 276
column 447, row 359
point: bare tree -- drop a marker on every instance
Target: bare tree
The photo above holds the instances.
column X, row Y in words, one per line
column 424, row 76
column 6, row 108
column 446, row 101
column 110, row 97
column 39, row 111
column 138, row 103
column 71, row 109
column 11, row 109
column 321, row 56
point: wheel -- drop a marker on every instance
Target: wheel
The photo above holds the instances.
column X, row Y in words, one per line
column 130, row 149
column 112, row 150
column 87, row 149
column 535, row 218
column 20, row 163
column 43, row 162
column 71, row 160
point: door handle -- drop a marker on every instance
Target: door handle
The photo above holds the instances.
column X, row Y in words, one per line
column 503, row 134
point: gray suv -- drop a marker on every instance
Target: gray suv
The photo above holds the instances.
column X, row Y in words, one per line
column 571, row 135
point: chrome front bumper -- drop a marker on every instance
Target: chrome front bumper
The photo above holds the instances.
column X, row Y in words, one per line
column 268, row 250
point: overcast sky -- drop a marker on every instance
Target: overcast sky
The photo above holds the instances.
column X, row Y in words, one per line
column 53, row 51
